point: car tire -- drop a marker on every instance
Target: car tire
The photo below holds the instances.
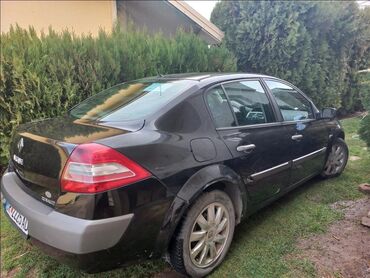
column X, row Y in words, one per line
column 336, row 160
column 201, row 228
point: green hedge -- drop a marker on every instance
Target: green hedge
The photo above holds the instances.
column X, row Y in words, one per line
column 43, row 76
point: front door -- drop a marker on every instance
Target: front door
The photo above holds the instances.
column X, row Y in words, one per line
column 246, row 122
column 308, row 136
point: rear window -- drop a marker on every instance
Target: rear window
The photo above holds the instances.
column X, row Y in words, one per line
column 130, row 101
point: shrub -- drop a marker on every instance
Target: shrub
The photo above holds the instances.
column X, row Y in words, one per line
column 43, row 76
column 365, row 123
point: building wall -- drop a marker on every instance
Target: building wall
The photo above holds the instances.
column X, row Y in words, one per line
column 83, row 17
column 163, row 17
column 166, row 17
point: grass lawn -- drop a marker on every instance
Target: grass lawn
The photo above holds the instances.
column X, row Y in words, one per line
column 263, row 245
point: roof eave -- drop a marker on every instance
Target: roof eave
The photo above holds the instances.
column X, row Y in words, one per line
column 214, row 33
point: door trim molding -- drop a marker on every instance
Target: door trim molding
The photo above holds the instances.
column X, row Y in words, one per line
column 309, row 156
column 274, row 170
column 284, row 166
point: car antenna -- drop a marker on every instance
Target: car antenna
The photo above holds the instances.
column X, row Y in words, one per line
column 158, row 73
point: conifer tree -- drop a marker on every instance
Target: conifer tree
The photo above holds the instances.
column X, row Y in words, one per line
column 318, row 46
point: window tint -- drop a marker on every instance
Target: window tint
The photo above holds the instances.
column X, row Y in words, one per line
column 292, row 104
column 220, row 108
column 249, row 102
column 130, row 101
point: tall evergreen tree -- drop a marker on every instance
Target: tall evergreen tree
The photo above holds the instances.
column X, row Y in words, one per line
column 319, row 46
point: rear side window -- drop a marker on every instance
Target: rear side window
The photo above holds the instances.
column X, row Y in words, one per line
column 220, row 108
column 130, row 101
column 249, row 102
column 293, row 105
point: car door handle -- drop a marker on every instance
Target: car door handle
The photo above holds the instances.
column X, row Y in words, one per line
column 297, row 137
column 246, row 148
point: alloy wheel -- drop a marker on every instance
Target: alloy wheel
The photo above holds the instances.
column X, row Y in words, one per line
column 209, row 235
column 336, row 160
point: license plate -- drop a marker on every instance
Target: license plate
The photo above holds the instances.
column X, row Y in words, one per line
column 19, row 219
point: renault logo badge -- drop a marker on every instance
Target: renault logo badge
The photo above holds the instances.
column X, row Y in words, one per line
column 20, row 145
column 48, row 194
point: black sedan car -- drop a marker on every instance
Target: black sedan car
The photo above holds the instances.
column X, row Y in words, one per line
column 166, row 165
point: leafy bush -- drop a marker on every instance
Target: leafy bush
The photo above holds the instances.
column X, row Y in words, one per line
column 365, row 123
column 42, row 77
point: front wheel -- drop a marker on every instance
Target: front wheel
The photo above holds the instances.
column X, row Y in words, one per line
column 205, row 235
column 337, row 159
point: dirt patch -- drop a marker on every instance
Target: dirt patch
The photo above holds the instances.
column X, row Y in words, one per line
column 168, row 273
column 354, row 158
column 12, row 273
column 344, row 251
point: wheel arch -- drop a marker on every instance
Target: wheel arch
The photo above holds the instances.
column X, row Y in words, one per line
column 340, row 134
column 233, row 192
column 213, row 177
column 209, row 178
column 334, row 134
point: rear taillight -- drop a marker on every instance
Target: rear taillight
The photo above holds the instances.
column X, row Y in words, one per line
column 93, row 168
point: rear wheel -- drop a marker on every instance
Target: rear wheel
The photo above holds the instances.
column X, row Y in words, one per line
column 205, row 235
column 337, row 159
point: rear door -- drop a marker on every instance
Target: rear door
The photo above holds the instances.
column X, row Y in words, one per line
column 308, row 137
column 246, row 121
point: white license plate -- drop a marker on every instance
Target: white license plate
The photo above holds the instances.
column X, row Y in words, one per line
column 19, row 219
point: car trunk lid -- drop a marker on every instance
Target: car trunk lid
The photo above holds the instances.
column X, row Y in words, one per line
column 39, row 150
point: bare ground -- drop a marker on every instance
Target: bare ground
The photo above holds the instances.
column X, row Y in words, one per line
column 344, row 250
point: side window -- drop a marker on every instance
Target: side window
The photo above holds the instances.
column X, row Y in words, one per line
column 249, row 102
column 220, row 108
column 292, row 104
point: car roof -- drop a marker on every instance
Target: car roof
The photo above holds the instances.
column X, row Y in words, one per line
column 211, row 76
column 206, row 78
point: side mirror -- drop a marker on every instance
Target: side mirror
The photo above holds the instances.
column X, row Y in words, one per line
column 328, row 113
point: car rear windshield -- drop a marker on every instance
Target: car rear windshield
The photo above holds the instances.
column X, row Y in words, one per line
column 130, row 101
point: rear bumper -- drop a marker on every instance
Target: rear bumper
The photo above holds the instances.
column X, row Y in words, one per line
column 63, row 232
